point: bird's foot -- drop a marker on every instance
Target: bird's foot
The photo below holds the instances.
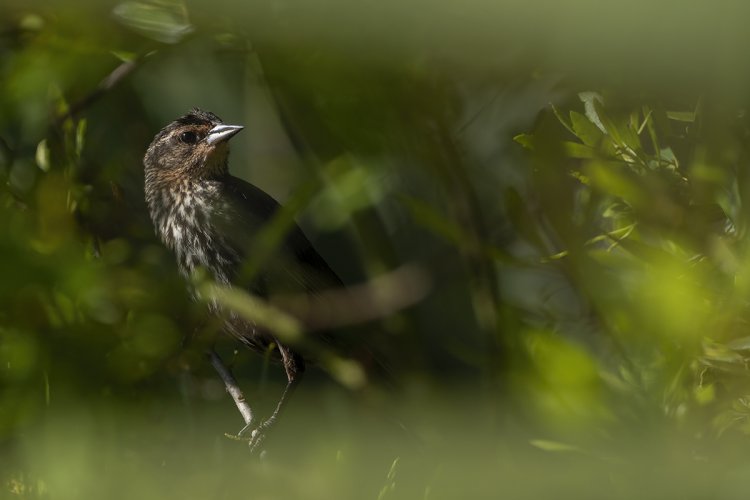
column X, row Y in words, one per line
column 254, row 437
column 245, row 433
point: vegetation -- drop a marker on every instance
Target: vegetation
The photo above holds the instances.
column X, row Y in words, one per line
column 556, row 205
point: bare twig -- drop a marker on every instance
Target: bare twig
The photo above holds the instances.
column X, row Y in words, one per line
column 232, row 387
column 112, row 79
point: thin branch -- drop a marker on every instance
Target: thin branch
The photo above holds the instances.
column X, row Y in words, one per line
column 232, row 387
column 462, row 128
column 112, row 79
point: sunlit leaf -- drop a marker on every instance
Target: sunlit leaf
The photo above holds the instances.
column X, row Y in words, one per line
column 589, row 100
column 585, row 129
column 42, row 155
column 525, row 140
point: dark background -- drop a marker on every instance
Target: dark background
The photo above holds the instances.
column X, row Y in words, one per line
column 554, row 190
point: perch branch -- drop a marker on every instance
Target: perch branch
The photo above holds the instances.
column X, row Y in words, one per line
column 232, row 387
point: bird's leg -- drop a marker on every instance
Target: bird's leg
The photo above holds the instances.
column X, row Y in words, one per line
column 294, row 366
column 233, row 388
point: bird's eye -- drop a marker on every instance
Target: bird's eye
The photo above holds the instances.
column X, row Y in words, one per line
column 189, row 137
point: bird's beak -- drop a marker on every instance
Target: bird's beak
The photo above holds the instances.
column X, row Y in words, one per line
column 221, row 133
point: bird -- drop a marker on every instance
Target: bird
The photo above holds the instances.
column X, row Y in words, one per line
column 210, row 220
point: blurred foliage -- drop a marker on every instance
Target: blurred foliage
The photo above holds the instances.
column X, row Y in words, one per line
column 570, row 186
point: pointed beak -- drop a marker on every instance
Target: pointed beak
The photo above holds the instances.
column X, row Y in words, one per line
column 221, row 133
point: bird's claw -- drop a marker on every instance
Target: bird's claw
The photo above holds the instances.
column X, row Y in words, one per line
column 256, row 438
column 253, row 437
column 243, row 434
column 235, row 437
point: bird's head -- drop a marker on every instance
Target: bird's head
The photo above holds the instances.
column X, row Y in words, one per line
column 194, row 146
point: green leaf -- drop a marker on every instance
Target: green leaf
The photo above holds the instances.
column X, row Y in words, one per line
column 31, row 22
column 607, row 124
column 741, row 344
column 704, row 394
column 629, row 135
column 612, row 178
column 556, row 446
column 585, row 130
column 577, row 150
column 635, row 122
column 80, row 137
column 42, row 155
column 650, row 126
column 525, row 140
column 166, row 21
column 646, row 252
column 681, row 116
column 124, row 55
column 562, row 119
column 253, row 309
column 620, row 131
column 662, row 124
column 589, row 100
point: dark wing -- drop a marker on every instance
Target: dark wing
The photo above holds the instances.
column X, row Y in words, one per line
column 295, row 266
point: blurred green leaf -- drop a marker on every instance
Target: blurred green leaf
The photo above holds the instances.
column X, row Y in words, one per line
column 681, row 116
column 42, row 155
column 577, row 150
column 554, row 446
column 525, row 140
column 164, row 21
column 254, row 310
